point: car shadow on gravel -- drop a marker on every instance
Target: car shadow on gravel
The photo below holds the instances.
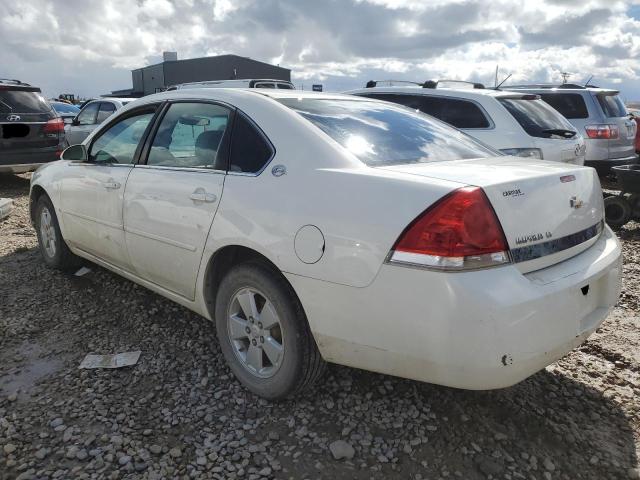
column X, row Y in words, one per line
column 14, row 186
column 550, row 426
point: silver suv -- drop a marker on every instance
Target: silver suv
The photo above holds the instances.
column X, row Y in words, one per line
column 599, row 114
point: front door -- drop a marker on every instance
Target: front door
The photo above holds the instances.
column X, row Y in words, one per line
column 92, row 194
column 170, row 201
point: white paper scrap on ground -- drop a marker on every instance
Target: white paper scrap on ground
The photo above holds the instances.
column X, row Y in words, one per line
column 82, row 271
column 117, row 360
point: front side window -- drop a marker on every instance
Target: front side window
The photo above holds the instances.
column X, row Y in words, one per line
column 381, row 134
column 250, row 151
column 612, row 106
column 190, row 136
column 570, row 105
column 106, row 109
column 88, row 114
column 119, row 142
column 538, row 118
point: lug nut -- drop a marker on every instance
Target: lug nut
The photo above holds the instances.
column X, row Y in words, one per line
column 247, row 329
column 261, row 339
column 254, row 342
column 259, row 324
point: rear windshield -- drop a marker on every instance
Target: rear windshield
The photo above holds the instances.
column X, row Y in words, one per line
column 20, row 101
column 382, row 134
column 570, row 105
column 612, row 106
column 538, row 119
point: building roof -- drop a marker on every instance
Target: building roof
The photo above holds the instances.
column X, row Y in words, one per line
column 215, row 57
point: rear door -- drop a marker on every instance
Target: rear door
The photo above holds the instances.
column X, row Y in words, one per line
column 24, row 139
column 616, row 114
column 171, row 200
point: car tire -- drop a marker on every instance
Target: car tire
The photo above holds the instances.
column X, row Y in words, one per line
column 634, row 201
column 274, row 359
column 53, row 248
column 617, row 211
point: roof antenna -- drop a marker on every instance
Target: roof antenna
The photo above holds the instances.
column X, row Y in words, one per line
column 495, row 81
column 565, row 76
column 586, row 84
column 505, row 79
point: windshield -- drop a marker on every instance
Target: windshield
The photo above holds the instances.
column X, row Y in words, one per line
column 538, row 119
column 381, row 134
column 21, row 101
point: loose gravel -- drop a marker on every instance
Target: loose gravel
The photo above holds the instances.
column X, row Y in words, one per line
column 180, row 413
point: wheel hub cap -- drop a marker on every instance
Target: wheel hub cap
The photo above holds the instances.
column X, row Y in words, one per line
column 47, row 233
column 255, row 333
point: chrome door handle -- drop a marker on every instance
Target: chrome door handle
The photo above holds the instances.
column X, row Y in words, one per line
column 111, row 185
column 199, row 196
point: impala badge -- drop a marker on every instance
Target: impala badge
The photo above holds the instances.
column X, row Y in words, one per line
column 575, row 203
column 13, row 118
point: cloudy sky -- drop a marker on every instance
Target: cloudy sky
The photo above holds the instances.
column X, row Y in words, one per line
column 88, row 47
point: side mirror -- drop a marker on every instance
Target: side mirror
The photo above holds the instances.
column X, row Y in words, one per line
column 75, row 153
column 75, row 122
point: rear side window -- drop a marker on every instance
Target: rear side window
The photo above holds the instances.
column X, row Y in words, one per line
column 570, row 105
column 106, row 109
column 456, row 112
column 612, row 106
column 250, row 151
column 538, row 119
column 381, row 134
column 21, row 101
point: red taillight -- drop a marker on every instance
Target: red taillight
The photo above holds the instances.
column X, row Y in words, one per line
column 460, row 231
column 602, row 131
column 55, row 125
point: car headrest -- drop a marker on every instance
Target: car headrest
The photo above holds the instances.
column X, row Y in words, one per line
column 209, row 140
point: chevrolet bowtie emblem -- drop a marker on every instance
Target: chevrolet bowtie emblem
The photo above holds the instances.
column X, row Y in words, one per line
column 575, row 203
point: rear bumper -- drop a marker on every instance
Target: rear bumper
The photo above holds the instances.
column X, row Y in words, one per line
column 28, row 160
column 476, row 330
column 604, row 166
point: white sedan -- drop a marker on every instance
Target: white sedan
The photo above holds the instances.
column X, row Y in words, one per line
column 325, row 228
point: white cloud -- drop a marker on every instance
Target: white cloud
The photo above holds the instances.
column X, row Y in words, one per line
column 89, row 46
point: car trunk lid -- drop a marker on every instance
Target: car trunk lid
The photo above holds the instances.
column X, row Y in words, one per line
column 549, row 211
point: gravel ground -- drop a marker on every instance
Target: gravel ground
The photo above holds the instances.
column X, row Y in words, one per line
column 179, row 413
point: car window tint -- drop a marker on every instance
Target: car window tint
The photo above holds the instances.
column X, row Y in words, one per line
column 250, row 151
column 88, row 114
column 20, row 101
column 65, row 108
column 119, row 142
column 382, row 134
column 106, row 109
column 285, row 86
column 612, row 106
column 264, row 85
column 456, row 112
column 570, row 105
column 538, row 118
column 190, row 135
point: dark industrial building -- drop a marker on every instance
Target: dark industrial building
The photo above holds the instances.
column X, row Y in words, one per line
column 156, row 78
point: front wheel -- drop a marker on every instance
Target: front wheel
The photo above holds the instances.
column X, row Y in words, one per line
column 264, row 334
column 53, row 248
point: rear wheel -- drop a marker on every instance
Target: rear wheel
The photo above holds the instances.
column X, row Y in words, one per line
column 617, row 211
column 53, row 248
column 264, row 334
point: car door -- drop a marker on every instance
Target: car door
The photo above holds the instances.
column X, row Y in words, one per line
column 171, row 200
column 92, row 193
column 83, row 124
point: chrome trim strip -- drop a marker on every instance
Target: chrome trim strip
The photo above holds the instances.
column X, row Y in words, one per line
column 538, row 250
column 180, row 169
column 160, row 239
column 117, row 226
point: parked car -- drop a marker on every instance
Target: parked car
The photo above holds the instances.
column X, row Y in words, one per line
column 514, row 123
column 240, row 83
column 66, row 111
column 598, row 113
column 349, row 230
column 31, row 132
column 91, row 115
column 635, row 114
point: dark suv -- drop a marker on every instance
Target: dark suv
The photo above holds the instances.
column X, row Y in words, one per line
column 31, row 132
